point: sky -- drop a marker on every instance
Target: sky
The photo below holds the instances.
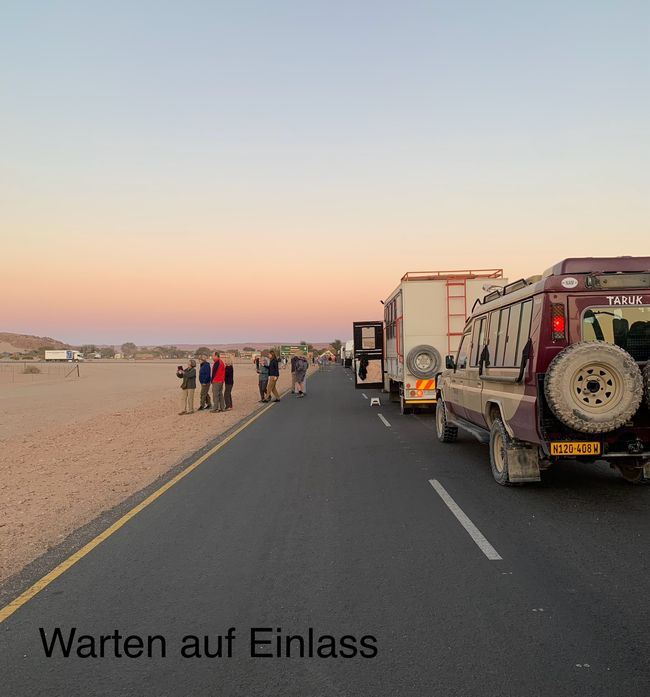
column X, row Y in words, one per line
column 249, row 171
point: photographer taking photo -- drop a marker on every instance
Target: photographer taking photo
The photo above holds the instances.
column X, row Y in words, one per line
column 188, row 386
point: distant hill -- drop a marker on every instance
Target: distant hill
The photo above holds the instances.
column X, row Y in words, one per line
column 19, row 343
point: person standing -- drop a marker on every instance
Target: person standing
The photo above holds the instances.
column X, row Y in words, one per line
column 294, row 361
column 188, row 387
column 301, row 374
column 228, row 383
column 218, row 378
column 274, row 374
column 205, row 377
column 263, row 372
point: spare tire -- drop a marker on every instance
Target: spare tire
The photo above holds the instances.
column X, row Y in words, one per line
column 646, row 382
column 423, row 361
column 593, row 386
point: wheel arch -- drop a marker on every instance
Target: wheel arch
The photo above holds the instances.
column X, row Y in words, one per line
column 493, row 411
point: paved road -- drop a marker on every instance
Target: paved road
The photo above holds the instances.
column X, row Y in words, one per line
column 319, row 515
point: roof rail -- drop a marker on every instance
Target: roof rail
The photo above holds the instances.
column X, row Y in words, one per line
column 447, row 275
column 505, row 290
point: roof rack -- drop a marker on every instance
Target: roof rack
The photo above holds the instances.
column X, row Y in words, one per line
column 505, row 290
column 446, row 275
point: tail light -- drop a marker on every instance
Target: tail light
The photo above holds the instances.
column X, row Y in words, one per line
column 558, row 322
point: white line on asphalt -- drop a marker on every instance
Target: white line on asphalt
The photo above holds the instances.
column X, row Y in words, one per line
column 384, row 420
column 473, row 531
column 364, row 395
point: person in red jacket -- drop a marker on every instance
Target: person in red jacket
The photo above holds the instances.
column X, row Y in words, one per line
column 218, row 378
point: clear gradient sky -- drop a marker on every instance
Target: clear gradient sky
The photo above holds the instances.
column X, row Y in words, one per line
column 267, row 170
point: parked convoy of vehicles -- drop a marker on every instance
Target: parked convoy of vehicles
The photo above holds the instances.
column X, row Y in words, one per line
column 424, row 319
column 63, row 355
column 556, row 366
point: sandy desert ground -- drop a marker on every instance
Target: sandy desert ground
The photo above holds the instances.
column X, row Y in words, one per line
column 74, row 447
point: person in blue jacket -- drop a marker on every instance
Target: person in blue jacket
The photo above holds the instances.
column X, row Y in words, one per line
column 205, row 378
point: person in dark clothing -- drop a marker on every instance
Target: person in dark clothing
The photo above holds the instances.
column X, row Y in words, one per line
column 205, row 378
column 263, row 374
column 188, row 386
column 228, row 383
column 294, row 361
column 274, row 374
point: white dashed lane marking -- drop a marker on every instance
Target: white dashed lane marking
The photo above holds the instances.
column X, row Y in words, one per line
column 384, row 420
column 462, row 518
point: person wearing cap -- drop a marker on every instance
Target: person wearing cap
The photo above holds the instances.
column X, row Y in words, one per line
column 188, row 387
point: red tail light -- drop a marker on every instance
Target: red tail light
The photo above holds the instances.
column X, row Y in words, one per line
column 558, row 322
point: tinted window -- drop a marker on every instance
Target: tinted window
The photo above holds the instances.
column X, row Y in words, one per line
column 501, row 335
column 478, row 340
column 461, row 360
column 510, row 354
column 524, row 326
column 627, row 327
column 492, row 337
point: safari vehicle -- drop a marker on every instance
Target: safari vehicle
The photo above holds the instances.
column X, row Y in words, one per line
column 556, row 366
column 423, row 320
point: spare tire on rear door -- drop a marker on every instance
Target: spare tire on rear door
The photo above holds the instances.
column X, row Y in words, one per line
column 593, row 386
column 423, row 361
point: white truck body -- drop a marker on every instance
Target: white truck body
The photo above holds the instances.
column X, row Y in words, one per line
column 63, row 355
column 424, row 319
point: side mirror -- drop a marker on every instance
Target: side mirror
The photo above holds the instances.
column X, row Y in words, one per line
column 449, row 362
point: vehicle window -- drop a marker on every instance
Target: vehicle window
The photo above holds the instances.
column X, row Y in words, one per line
column 627, row 327
column 461, row 360
column 510, row 355
column 524, row 326
column 478, row 340
column 501, row 336
column 492, row 336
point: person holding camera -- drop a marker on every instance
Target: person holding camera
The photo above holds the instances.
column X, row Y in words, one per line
column 188, row 386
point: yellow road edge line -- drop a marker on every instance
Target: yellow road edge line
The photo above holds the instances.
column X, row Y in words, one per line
column 61, row 568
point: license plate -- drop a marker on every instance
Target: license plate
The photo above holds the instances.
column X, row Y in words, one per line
column 569, row 449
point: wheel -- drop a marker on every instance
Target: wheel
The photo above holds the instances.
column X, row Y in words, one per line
column 633, row 472
column 446, row 433
column 423, row 361
column 403, row 409
column 646, row 383
column 593, row 386
column 500, row 444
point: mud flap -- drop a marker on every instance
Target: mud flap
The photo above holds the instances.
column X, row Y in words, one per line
column 523, row 465
column 646, row 469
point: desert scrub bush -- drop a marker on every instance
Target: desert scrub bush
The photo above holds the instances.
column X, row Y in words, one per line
column 31, row 369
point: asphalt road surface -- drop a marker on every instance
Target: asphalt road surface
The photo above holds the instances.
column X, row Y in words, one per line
column 322, row 515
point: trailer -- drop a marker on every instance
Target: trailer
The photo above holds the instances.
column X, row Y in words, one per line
column 68, row 355
column 424, row 319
